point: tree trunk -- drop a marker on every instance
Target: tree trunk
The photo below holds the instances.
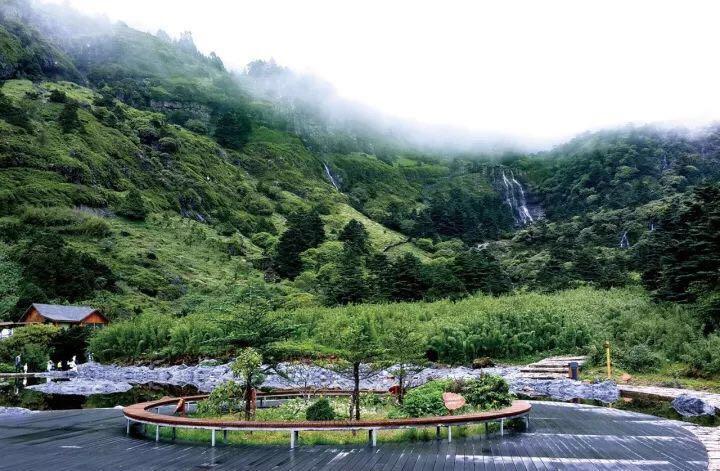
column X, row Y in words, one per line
column 248, row 397
column 356, row 390
column 401, row 390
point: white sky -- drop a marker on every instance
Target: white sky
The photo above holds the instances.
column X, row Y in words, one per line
column 540, row 69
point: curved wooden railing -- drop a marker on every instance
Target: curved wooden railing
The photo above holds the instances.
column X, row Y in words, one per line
column 142, row 413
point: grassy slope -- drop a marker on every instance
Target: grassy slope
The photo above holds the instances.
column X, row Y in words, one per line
column 167, row 258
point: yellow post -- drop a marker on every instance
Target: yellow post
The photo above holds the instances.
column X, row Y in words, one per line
column 607, row 355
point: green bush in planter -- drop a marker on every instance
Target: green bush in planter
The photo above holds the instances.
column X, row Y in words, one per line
column 320, row 410
column 426, row 400
column 487, row 392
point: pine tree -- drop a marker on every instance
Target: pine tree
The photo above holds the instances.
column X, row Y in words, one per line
column 379, row 278
column 355, row 238
column 305, row 230
column 68, row 117
column 407, row 282
column 479, row 270
column 232, row 130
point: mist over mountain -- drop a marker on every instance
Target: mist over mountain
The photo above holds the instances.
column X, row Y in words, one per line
column 140, row 175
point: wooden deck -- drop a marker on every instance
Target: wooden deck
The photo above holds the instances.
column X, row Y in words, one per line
column 561, row 436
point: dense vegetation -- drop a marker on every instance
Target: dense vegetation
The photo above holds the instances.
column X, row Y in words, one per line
column 200, row 209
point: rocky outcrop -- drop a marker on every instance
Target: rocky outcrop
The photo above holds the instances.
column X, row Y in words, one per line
column 690, row 406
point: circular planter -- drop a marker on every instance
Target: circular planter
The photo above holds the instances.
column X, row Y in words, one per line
column 142, row 413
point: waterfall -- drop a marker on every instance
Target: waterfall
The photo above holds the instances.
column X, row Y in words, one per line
column 515, row 198
column 330, row 177
column 624, row 241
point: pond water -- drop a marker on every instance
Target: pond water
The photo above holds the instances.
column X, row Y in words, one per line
column 13, row 393
column 657, row 407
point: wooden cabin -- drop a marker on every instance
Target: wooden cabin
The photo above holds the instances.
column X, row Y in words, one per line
column 63, row 316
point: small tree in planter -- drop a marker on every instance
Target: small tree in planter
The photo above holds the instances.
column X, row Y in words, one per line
column 406, row 350
column 247, row 367
column 357, row 345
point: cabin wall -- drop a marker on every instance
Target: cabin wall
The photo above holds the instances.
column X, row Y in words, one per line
column 94, row 318
column 34, row 316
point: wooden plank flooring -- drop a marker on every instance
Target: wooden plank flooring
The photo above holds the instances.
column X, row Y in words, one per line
column 561, row 436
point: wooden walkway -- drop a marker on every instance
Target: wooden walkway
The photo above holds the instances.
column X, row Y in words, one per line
column 551, row 367
column 561, row 436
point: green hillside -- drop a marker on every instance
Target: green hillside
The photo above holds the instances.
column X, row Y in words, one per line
column 139, row 175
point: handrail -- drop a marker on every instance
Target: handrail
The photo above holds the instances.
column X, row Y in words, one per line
column 141, row 413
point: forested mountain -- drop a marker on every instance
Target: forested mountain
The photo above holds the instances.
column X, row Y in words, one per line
column 140, row 175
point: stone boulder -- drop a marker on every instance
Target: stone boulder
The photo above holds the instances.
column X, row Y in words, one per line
column 691, row 406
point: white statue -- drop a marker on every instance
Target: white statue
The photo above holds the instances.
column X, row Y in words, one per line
column 72, row 365
column 49, row 365
column 25, row 368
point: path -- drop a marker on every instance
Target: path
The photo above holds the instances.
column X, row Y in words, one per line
column 562, row 436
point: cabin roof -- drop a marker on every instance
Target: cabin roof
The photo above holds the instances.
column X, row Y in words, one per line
column 60, row 313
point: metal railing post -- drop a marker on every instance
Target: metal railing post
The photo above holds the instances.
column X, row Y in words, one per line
column 372, row 437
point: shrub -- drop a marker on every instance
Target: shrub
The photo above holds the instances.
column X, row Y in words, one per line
column 320, row 410
column 197, row 126
column 482, row 362
column 68, row 117
column 133, row 207
column 148, row 134
column 32, row 343
column 93, row 227
column 50, row 216
column 487, row 392
column 7, row 368
column 14, row 115
column 263, row 240
column 640, row 358
column 426, row 400
column 168, row 144
column 132, row 339
column 226, row 398
column 704, row 356
column 57, row 96
column 36, row 356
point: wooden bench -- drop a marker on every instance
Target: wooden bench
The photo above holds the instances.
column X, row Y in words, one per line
column 142, row 413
